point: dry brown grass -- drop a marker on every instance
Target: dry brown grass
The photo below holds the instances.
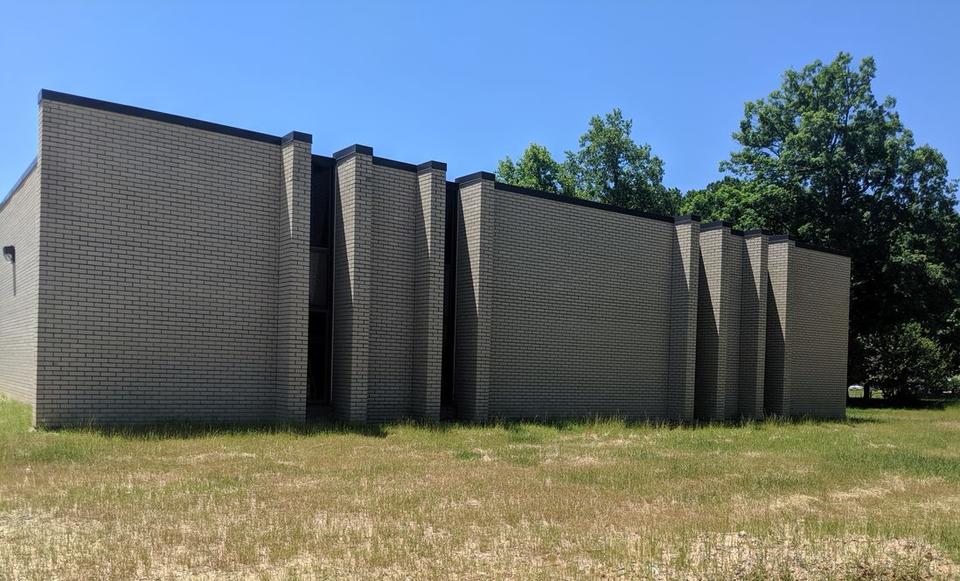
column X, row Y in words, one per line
column 875, row 497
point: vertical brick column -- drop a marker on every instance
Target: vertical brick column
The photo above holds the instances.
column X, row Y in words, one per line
column 683, row 318
column 351, row 282
column 475, row 285
column 753, row 324
column 429, row 233
column 777, row 379
column 718, row 323
column 293, row 270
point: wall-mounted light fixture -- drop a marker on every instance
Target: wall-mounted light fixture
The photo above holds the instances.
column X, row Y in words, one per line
column 10, row 254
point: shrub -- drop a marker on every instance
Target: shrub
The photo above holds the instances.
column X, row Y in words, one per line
column 905, row 363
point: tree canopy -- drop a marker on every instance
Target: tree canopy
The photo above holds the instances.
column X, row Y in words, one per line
column 536, row 169
column 824, row 159
column 608, row 167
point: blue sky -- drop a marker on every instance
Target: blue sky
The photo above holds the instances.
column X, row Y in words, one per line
column 470, row 82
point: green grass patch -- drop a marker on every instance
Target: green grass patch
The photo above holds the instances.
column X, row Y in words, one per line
column 875, row 495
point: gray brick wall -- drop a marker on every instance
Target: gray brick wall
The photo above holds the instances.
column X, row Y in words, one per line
column 820, row 292
column 163, row 273
column 293, row 272
column 579, row 308
column 19, row 284
column 731, row 325
column 429, row 229
column 807, row 332
column 351, row 289
column 474, row 298
column 777, row 366
column 683, row 320
column 391, row 227
column 159, row 294
column 753, row 325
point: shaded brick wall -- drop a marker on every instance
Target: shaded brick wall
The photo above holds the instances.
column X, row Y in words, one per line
column 395, row 211
column 388, row 309
column 777, row 365
column 807, row 332
column 731, row 324
column 683, row 320
column 429, row 230
column 351, row 289
column 19, row 283
column 753, row 325
column 474, row 298
column 293, row 267
column 159, row 297
column 718, row 324
column 820, row 292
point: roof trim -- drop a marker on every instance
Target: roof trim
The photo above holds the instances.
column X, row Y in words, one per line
column 401, row 165
column 58, row 97
column 16, row 187
column 581, row 202
column 351, row 150
column 431, row 165
column 484, row 175
column 805, row 246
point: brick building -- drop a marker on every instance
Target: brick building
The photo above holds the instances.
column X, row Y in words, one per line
column 163, row 268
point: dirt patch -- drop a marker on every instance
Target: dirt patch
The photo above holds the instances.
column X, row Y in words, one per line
column 740, row 555
column 882, row 488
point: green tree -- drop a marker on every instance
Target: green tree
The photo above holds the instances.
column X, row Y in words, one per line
column 535, row 169
column 824, row 159
column 745, row 204
column 611, row 167
column 904, row 363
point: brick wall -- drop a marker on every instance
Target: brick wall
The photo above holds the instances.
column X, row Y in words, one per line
column 293, row 268
column 351, row 288
column 171, row 282
column 683, row 319
column 388, row 289
column 159, row 298
column 19, row 283
column 807, row 332
column 753, row 324
column 819, row 290
column 777, row 365
column 429, row 230
column 718, row 320
column 578, row 305
column 474, row 297
column 731, row 324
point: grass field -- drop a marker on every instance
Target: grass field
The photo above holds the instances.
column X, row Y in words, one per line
column 876, row 496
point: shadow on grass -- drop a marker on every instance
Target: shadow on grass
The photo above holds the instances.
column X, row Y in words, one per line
column 573, row 424
column 894, row 404
column 317, row 427
column 188, row 430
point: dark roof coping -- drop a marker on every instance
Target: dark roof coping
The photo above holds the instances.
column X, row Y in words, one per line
column 805, row 246
column 715, row 225
column 476, row 176
column 354, row 149
column 401, row 165
column 296, row 136
column 581, row 202
column 48, row 95
column 688, row 219
column 16, row 187
column 431, row 165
